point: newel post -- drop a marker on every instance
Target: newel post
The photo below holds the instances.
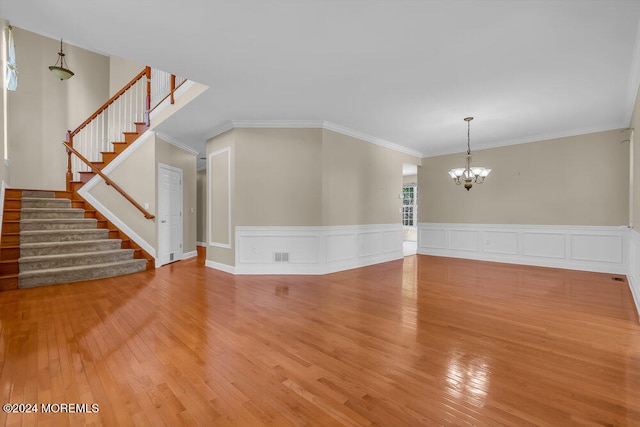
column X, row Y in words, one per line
column 148, row 106
column 173, row 87
column 69, row 171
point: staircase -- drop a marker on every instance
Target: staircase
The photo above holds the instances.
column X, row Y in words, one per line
column 59, row 245
column 50, row 238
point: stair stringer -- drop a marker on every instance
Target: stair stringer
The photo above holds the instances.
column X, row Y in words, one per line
column 85, row 192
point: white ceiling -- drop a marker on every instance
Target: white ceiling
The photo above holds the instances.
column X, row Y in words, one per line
column 406, row 72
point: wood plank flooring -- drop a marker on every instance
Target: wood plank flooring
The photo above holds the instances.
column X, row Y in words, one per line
column 424, row 341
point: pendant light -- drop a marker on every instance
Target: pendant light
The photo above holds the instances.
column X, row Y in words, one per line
column 468, row 174
column 61, row 71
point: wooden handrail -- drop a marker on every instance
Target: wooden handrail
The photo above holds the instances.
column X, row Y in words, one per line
column 108, row 180
column 143, row 73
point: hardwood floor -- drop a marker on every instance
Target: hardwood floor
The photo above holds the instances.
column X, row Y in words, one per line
column 424, row 341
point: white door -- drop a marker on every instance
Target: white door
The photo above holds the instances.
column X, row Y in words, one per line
column 169, row 214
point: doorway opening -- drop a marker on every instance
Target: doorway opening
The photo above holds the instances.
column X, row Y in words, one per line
column 409, row 209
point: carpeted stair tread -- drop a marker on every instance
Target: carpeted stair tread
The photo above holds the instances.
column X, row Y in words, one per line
column 36, row 236
column 54, row 276
column 37, row 213
column 50, row 248
column 74, row 259
column 44, row 194
column 42, row 202
column 58, row 223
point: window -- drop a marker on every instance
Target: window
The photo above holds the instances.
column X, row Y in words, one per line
column 409, row 204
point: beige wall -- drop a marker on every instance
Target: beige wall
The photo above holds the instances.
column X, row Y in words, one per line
column 173, row 156
column 301, row 177
column 121, row 72
column 581, row 180
column 201, row 185
column 409, row 179
column 361, row 181
column 44, row 108
column 278, row 177
column 136, row 175
column 221, row 185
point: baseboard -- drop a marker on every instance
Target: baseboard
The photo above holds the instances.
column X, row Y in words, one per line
column 191, row 254
column 201, row 244
column 599, row 249
column 219, row 266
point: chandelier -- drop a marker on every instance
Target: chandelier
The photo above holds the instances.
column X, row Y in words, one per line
column 61, row 72
column 469, row 175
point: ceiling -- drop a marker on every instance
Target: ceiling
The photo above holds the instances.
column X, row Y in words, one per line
column 406, row 72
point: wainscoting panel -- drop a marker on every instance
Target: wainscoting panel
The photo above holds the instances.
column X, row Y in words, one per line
column 500, row 242
column 605, row 248
column 341, row 247
column 315, row 250
column 543, row 245
column 464, row 240
column 434, row 238
column 369, row 243
column 600, row 249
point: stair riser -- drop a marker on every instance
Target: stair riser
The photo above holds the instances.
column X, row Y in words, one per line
column 64, row 236
column 89, row 273
column 106, row 245
column 69, row 214
column 12, row 204
column 71, row 225
column 76, row 260
column 46, row 203
column 9, row 268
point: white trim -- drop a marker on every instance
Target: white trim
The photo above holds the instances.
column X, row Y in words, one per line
column 315, row 250
column 219, row 130
column 210, row 186
column 590, row 248
column 201, row 244
column 187, row 255
column 372, row 139
column 311, row 124
column 171, row 140
column 84, row 193
column 441, row 151
column 167, row 101
column 219, row 266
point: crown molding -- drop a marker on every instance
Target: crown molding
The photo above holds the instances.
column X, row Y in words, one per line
column 310, row 124
column 525, row 140
column 219, row 130
column 171, row 140
column 371, row 139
